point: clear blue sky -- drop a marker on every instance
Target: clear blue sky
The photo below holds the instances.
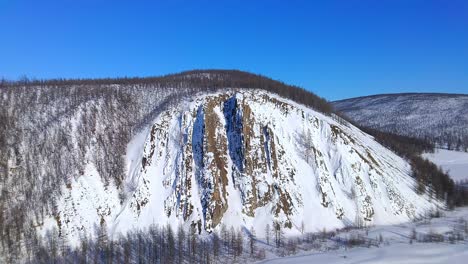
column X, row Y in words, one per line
column 337, row 49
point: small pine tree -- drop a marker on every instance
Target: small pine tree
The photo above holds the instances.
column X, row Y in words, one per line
column 239, row 246
column 413, row 234
column 279, row 233
column 216, row 245
column 180, row 243
column 252, row 239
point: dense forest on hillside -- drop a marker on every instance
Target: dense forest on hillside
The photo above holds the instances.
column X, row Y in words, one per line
column 50, row 130
column 438, row 118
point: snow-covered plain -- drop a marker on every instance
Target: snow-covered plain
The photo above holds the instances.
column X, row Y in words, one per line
column 453, row 162
column 396, row 246
column 396, row 253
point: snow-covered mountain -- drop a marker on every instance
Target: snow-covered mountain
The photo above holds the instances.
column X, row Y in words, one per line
column 201, row 149
column 244, row 158
column 440, row 118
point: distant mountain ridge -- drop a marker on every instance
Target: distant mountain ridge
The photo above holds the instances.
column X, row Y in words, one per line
column 436, row 117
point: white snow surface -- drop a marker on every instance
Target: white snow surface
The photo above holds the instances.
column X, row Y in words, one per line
column 348, row 176
column 455, row 163
column 396, row 253
column 396, row 246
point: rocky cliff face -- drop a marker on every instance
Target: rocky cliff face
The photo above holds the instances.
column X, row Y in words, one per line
column 241, row 156
column 250, row 158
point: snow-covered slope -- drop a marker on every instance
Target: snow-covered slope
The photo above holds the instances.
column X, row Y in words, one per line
column 246, row 158
column 441, row 118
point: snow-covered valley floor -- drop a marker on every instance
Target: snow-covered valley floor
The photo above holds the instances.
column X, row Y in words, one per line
column 396, row 253
column 453, row 162
column 406, row 243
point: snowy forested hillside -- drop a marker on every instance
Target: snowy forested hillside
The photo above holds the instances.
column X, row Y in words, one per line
column 87, row 162
column 439, row 118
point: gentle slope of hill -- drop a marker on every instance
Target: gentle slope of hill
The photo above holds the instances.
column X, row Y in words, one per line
column 439, row 118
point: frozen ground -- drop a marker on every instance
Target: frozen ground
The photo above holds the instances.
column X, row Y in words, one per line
column 454, row 162
column 400, row 244
column 397, row 253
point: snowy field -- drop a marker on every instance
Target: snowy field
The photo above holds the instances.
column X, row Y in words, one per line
column 398, row 253
column 453, row 162
column 405, row 243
